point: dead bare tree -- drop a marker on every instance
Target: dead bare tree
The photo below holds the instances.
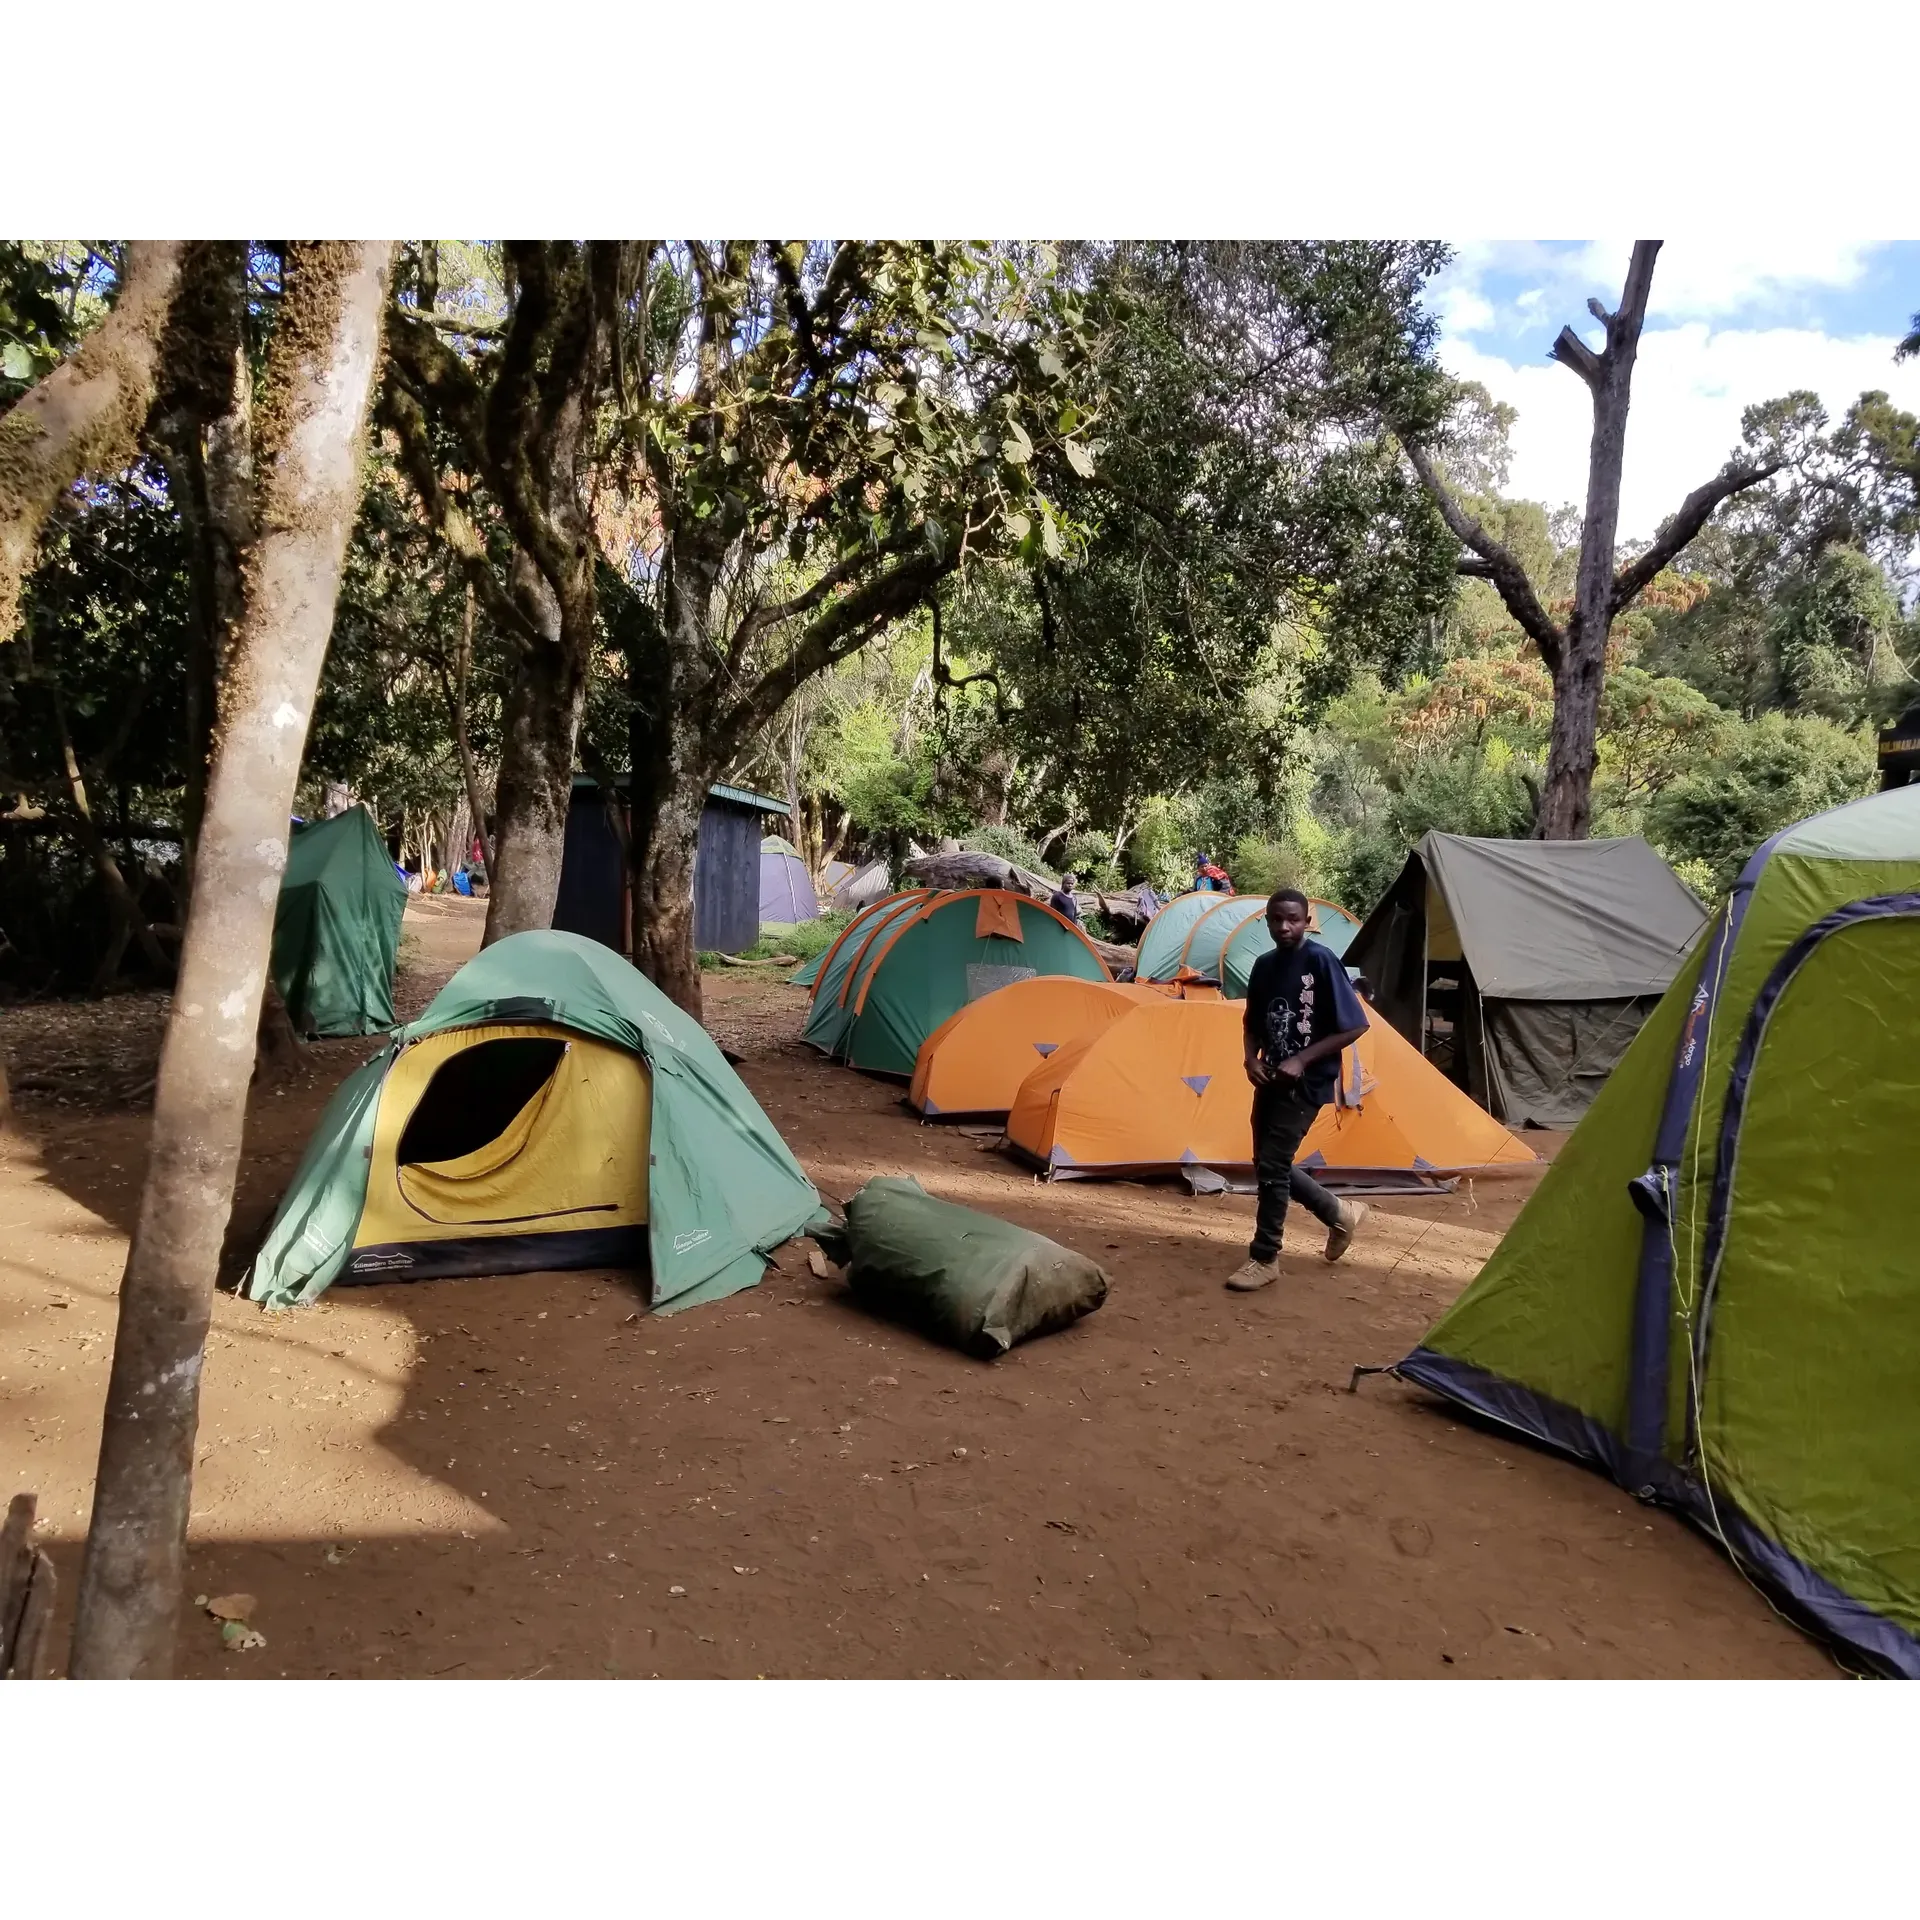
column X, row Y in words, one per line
column 307, row 422
column 1575, row 650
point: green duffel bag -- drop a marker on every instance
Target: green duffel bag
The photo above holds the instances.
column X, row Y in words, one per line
column 965, row 1278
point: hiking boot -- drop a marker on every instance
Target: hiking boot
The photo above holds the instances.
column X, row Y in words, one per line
column 1253, row 1275
column 1340, row 1234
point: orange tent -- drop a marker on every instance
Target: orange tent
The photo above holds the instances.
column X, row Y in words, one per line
column 1166, row 1086
column 974, row 1061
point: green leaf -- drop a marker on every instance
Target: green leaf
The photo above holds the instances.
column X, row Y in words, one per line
column 1079, row 459
column 1052, row 365
column 16, row 362
column 1050, row 536
column 1016, row 452
column 1019, row 525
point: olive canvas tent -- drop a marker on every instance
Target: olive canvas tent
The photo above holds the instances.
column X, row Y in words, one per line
column 336, row 928
column 1713, row 1295
column 551, row 1109
column 786, row 887
column 901, row 969
column 1526, row 966
column 1165, row 1088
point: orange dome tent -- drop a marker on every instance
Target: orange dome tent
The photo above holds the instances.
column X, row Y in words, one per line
column 972, row 1064
column 1166, row 1087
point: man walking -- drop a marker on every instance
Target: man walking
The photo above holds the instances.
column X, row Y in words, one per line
column 1301, row 1011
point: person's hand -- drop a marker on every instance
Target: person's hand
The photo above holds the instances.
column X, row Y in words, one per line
column 1259, row 1072
column 1292, row 1067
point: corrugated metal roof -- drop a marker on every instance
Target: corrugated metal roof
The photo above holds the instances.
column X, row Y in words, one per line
column 740, row 796
column 743, row 797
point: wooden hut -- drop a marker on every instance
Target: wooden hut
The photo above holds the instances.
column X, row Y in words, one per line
column 596, row 892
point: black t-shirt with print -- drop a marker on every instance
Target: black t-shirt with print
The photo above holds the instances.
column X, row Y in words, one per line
column 1295, row 999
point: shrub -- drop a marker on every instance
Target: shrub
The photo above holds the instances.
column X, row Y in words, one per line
column 1090, row 855
column 1258, row 865
column 1161, row 850
column 1364, row 863
column 1005, row 844
column 1771, row 773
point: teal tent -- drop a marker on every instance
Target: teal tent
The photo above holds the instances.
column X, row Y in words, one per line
column 904, row 966
column 336, row 930
column 1163, row 946
column 551, row 1109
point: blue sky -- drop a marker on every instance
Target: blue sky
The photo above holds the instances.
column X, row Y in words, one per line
column 1731, row 322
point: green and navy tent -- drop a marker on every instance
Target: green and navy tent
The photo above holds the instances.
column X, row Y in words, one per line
column 805, row 976
column 1713, row 1295
column 551, row 1109
column 1334, row 928
column 1164, row 943
column 905, row 965
column 1213, row 932
column 336, row 928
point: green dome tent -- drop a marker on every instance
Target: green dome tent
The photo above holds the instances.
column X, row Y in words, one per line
column 336, row 929
column 827, row 973
column 1713, row 1295
column 1334, row 928
column 904, row 967
column 1165, row 939
column 1212, row 932
column 551, row 1109
column 805, row 976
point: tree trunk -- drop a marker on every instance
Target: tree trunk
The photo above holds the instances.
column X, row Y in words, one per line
column 129, row 921
column 1566, row 801
column 204, row 437
column 674, row 763
column 535, row 782
column 469, row 769
column 86, row 415
column 1566, row 794
column 276, row 1047
column 309, row 416
column 663, row 931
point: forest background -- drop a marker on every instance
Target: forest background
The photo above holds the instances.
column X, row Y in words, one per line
column 1191, row 599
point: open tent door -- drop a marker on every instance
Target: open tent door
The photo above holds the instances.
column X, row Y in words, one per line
column 504, row 1149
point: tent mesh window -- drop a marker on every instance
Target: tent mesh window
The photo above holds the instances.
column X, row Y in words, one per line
column 983, row 977
column 474, row 1097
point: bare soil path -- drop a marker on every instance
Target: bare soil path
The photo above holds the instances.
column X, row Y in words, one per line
column 531, row 1476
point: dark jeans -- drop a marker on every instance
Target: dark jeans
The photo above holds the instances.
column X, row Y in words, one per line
column 1281, row 1117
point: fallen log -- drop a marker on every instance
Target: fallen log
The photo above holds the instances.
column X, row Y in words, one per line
column 1121, row 911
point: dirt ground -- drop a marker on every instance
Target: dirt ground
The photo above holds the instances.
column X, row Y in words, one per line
column 531, row 1476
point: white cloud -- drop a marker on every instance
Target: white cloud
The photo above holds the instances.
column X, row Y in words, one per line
column 1690, row 385
column 1763, row 279
column 1462, row 309
column 1703, row 279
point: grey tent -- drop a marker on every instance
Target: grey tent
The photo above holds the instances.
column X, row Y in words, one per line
column 1523, row 968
